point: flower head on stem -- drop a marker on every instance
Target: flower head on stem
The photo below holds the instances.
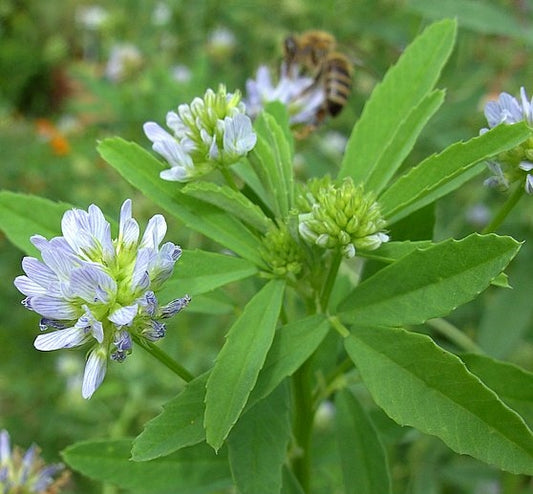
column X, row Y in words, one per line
column 89, row 288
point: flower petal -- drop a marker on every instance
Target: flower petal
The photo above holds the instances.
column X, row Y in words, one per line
column 124, row 316
column 92, row 284
column 62, row 338
column 94, row 374
column 129, row 228
column 155, row 232
column 53, row 307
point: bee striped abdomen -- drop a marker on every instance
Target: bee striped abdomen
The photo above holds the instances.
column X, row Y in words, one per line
column 338, row 83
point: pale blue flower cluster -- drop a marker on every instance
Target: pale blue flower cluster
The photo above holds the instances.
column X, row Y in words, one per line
column 90, row 288
column 26, row 472
column 302, row 97
column 508, row 110
column 212, row 132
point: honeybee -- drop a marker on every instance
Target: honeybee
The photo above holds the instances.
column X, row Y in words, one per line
column 314, row 53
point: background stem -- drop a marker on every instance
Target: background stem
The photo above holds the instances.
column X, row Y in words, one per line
column 507, row 207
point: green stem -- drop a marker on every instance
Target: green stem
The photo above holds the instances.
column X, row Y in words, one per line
column 164, row 358
column 453, row 334
column 228, row 177
column 330, row 280
column 508, row 205
column 303, row 424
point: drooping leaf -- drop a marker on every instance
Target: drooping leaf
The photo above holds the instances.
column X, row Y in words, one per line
column 231, row 201
column 403, row 142
column 24, row 215
column 239, row 362
column 141, row 169
column 194, row 470
column 199, row 271
column 363, row 456
column 179, row 425
column 420, row 384
column 430, row 282
column 257, row 445
column 511, row 383
column 403, row 88
column 441, row 173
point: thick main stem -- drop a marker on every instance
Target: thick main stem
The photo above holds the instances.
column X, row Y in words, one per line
column 303, row 424
column 164, row 358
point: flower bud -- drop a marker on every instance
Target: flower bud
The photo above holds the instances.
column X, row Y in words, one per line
column 340, row 217
column 210, row 133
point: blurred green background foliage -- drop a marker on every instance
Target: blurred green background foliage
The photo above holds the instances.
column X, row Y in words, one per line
column 74, row 72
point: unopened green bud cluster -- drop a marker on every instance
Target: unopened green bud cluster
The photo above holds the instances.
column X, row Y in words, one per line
column 513, row 161
column 340, row 216
column 281, row 252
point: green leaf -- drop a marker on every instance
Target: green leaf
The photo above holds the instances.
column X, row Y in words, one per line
column 214, row 303
column 271, row 159
column 281, row 113
column 180, row 424
column 511, row 383
column 199, row 271
column 194, row 470
column 363, row 456
column 257, row 445
column 405, row 86
column 290, row 483
column 481, row 16
column 239, row 362
column 19, row 221
column 441, row 173
column 141, row 169
column 421, row 385
column 231, row 201
column 501, row 331
column 403, row 141
column 430, row 282
column 244, row 169
column 392, row 251
column 293, row 344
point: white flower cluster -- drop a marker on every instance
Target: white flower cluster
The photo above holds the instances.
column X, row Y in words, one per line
column 90, row 288
column 211, row 132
